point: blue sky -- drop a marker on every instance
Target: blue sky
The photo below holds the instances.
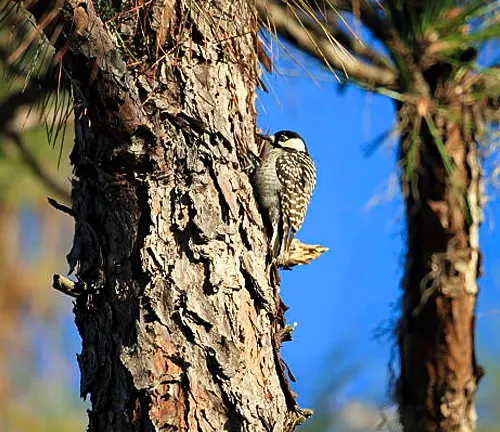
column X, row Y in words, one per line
column 351, row 293
column 340, row 299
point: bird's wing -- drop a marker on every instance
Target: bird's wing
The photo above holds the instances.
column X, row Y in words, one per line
column 297, row 175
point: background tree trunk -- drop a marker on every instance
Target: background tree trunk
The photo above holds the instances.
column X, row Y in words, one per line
column 439, row 375
column 180, row 319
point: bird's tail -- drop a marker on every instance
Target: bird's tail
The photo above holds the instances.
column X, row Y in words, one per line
column 283, row 238
column 288, row 241
column 277, row 240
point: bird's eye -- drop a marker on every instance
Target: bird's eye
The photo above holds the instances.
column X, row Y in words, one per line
column 282, row 138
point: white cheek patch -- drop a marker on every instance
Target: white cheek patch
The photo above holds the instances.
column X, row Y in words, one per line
column 295, row 144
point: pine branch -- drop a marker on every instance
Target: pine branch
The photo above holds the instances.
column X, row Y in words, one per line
column 286, row 23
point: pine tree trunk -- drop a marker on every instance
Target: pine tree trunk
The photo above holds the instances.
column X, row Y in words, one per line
column 439, row 374
column 179, row 319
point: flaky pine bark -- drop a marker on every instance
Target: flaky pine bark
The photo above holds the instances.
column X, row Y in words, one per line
column 439, row 375
column 180, row 318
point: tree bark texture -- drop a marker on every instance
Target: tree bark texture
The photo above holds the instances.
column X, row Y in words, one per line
column 439, row 375
column 180, row 320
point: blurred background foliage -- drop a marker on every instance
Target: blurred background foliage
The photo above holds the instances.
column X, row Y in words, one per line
column 38, row 370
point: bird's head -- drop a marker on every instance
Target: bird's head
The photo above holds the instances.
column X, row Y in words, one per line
column 288, row 140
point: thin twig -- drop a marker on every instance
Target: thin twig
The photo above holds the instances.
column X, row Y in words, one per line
column 61, row 207
column 67, row 286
